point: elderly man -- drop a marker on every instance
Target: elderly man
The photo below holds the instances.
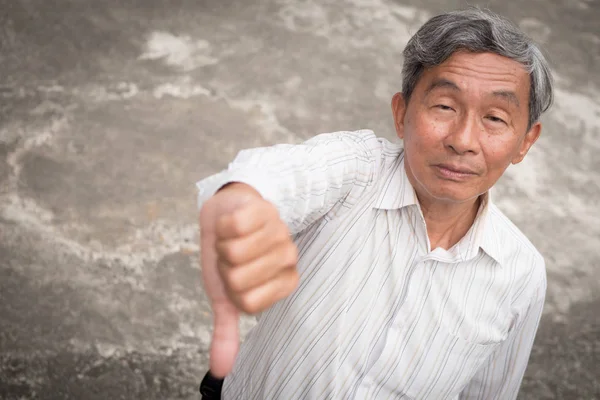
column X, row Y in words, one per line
column 381, row 270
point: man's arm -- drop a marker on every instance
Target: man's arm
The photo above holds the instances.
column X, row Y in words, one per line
column 304, row 181
column 500, row 378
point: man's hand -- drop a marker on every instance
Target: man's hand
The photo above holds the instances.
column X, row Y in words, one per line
column 248, row 263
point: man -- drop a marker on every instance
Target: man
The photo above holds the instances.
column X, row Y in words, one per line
column 383, row 270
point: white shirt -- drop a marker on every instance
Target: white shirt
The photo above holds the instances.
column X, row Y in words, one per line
column 378, row 314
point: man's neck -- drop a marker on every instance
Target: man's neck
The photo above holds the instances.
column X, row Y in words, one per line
column 447, row 223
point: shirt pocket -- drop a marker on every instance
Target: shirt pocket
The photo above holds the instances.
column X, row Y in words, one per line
column 424, row 363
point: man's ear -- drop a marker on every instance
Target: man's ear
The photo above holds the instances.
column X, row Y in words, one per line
column 399, row 110
column 530, row 138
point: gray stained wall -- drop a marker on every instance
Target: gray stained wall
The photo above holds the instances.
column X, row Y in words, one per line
column 111, row 110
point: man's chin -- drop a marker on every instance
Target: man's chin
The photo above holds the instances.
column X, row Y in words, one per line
column 452, row 195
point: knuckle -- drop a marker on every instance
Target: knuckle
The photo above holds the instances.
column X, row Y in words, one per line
column 234, row 281
column 288, row 284
column 228, row 252
column 284, row 231
column 294, row 280
column 272, row 210
column 209, row 205
column 229, row 224
column 220, row 249
column 292, row 254
column 237, row 223
column 279, row 233
column 248, row 304
column 221, row 226
column 234, row 254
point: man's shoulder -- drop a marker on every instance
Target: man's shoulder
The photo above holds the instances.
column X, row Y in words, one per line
column 364, row 137
column 517, row 249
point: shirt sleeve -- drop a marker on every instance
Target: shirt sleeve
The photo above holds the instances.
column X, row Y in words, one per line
column 304, row 181
column 500, row 378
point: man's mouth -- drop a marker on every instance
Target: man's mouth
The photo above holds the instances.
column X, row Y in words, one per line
column 455, row 172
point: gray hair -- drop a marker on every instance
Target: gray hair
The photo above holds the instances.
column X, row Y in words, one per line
column 479, row 31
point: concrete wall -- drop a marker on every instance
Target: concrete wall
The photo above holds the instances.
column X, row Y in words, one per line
column 111, row 110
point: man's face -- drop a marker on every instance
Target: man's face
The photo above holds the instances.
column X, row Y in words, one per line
column 465, row 123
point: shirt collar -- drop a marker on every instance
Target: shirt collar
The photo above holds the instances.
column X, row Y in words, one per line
column 486, row 236
column 396, row 192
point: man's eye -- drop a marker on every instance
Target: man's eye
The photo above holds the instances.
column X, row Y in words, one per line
column 444, row 107
column 496, row 119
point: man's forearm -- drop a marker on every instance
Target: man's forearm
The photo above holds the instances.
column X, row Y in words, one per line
column 303, row 181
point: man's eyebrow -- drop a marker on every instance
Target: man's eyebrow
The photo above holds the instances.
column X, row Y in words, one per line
column 511, row 97
column 441, row 83
column 445, row 83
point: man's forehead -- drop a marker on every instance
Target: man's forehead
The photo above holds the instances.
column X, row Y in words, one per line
column 485, row 66
column 490, row 72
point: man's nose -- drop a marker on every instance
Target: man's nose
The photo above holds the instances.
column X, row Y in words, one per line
column 464, row 136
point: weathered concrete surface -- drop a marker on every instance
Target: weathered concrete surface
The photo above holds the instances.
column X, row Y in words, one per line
column 110, row 111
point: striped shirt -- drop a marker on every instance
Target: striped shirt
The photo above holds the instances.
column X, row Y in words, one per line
column 378, row 314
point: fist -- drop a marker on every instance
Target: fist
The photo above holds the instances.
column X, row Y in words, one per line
column 248, row 263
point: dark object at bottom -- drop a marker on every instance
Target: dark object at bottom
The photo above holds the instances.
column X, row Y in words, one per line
column 210, row 388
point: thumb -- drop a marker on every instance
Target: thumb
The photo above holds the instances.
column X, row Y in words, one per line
column 225, row 340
